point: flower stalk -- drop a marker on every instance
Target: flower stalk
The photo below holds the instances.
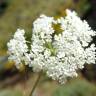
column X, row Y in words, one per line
column 36, row 83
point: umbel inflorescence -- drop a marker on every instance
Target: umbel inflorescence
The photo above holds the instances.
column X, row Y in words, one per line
column 59, row 47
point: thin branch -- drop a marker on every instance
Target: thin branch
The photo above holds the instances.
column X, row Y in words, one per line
column 36, row 83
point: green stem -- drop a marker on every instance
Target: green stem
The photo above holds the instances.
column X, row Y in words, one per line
column 35, row 85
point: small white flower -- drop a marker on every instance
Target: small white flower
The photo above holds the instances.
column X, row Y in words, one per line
column 17, row 48
column 59, row 55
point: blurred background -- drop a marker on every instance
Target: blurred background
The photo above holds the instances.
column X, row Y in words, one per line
column 20, row 14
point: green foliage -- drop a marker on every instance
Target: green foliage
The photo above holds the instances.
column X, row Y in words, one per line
column 76, row 88
column 50, row 47
column 57, row 29
column 10, row 93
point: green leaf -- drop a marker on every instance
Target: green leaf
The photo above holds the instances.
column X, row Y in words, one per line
column 76, row 88
column 10, row 93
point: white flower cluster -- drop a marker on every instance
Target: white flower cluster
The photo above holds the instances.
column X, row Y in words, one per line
column 59, row 54
column 17, row 48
